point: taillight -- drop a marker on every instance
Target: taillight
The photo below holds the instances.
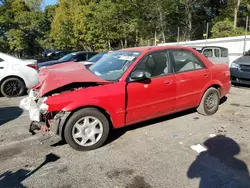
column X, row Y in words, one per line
column 33, row 66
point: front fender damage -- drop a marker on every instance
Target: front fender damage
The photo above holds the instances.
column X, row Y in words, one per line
column 42, row 116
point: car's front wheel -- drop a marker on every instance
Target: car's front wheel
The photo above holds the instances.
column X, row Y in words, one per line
column 87, row 129
column 210, row 102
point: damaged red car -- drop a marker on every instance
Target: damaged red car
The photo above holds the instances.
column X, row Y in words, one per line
column 125, row 87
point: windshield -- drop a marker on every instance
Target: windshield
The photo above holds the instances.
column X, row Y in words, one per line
column 112, row 65
column 96, row 57
column 67, row 57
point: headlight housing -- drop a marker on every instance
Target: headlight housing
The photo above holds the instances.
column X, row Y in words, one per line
column 234, row 65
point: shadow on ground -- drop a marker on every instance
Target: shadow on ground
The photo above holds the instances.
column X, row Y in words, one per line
column 12, row 179
column 217, row 167
column 9, row 113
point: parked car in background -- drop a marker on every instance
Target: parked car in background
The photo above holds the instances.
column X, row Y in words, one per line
column 215, row 54
column 16, row 75
column 240, row 70
column 49, row 55
column 123, row 88
column 93, row 59
column 75, row 56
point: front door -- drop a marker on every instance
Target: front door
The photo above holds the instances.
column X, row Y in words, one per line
column 191, row 78
column 208, row 52
column 155, row 96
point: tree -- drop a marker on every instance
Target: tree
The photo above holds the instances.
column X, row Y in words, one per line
column 225, row 29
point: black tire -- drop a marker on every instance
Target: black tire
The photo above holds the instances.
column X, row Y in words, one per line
column 210, row 101
column 68, row 130
column 13, row 87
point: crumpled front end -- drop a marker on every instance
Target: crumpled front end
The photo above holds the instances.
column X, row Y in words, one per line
column 41, row 118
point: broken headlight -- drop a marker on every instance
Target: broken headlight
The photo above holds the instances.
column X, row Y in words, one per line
column 43, row 107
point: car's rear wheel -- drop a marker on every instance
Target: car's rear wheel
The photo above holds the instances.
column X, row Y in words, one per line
column 13, row 87
column 87, row 129
column 210, row 102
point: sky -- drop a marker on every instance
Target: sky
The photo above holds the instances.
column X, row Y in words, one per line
column 50, row 2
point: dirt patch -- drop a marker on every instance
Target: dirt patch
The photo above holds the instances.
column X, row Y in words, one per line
column 239, row 105
column 119, row 172
column 138, row 182
column 10, row 152
column 235, row 104
column 63, row 170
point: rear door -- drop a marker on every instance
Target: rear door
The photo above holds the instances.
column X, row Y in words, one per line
column 191, row 78
column 155, row 96
column 221, row 56
column 217, row 56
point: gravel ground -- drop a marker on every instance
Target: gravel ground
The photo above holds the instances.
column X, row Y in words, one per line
column 152, row 154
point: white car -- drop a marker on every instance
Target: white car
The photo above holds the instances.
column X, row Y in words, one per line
column 16, row 75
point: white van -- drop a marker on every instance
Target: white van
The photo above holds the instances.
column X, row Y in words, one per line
column 215, row 54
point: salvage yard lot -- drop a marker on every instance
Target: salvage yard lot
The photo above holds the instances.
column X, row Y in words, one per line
column 151, row 154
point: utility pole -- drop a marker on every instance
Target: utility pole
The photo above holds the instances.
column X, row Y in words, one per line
column 207, row 32
column 178, row 35
column 245, row 39
column 155, row 38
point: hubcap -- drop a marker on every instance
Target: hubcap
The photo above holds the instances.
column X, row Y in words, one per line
column 211, row 101
column 12, row 88
column 87, row 131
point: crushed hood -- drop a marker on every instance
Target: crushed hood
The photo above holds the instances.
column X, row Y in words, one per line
column 63, row 74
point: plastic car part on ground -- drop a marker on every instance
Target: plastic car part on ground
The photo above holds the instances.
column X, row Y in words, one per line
column 30, row 105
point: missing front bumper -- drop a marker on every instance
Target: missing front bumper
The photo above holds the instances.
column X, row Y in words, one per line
column 55, row 125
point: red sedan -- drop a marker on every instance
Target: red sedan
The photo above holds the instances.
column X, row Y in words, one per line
column 125, row 87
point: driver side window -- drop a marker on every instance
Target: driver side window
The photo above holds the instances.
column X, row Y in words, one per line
column 155, row 64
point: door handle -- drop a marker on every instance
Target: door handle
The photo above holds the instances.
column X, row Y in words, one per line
column 168, row 82
column 1, row 67
column 206, row 75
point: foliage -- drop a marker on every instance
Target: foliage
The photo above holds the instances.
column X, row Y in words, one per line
column 26, row 29
column 226, row 28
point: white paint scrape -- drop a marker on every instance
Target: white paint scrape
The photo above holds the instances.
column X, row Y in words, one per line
column 198, row 148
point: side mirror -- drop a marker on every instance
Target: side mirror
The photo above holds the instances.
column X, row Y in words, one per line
column 138, row 75
column 75, row 59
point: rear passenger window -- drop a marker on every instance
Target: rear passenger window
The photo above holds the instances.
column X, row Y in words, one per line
column 81, row 57
column 155, row 64
column 217, row 53
column 185, row 60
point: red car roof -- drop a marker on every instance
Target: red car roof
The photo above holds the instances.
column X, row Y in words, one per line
column 153, row 48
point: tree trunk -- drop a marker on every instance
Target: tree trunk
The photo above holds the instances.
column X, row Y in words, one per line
column 236, row 9
column 163, row 36
column 136, row 37
column 109, row 45
column 126, row 43
column 121, row 44
column 188, row 19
